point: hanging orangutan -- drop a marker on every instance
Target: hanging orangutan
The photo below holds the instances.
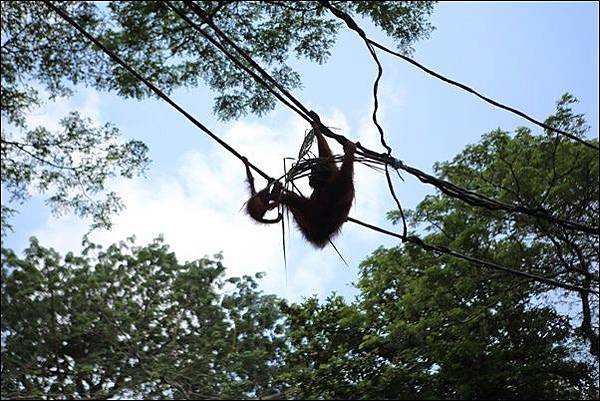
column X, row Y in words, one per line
column 320, row 216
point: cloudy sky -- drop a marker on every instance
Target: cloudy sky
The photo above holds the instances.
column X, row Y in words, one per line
column 522, row 54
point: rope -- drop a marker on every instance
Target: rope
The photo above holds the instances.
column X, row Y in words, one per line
column 352, row 25
column 415, row 240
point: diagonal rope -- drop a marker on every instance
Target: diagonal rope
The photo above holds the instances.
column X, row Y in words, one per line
column 236, row 61
column 452, row 190
column 352, row 25
column 447, row 251
column 207, row 20
column 415, row 240
column 153, row 88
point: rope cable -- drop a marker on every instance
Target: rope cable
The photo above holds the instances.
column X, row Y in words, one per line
column 415, row 240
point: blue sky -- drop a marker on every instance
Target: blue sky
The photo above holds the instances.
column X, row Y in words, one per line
column 522, row 54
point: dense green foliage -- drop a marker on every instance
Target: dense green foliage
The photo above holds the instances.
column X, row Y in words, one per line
column 132, row 320
column 427, row 326
column 546, row 171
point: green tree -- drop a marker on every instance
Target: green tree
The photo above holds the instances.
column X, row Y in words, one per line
column 545, row 171
column 70, row 166
column 43, row 56
column 73, row 165
column 132, row 321
column 429, row 326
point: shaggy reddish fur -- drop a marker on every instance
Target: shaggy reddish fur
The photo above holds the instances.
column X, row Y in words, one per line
column 320, row 216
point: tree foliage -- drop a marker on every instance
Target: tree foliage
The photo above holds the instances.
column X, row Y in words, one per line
column 40, row 47
column 164, row 47
column 545, row 171
column 425, row 330
column 429, row 326
column 72, row 165
column 132, row 321
column 44, row 57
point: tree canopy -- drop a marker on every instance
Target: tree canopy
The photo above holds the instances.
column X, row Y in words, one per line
column 427, row 326
column 44, row 57
column 132, row 321
column 544, row 171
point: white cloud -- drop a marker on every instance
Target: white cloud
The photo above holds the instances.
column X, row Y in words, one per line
column 199, row 212
column 199, row 208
